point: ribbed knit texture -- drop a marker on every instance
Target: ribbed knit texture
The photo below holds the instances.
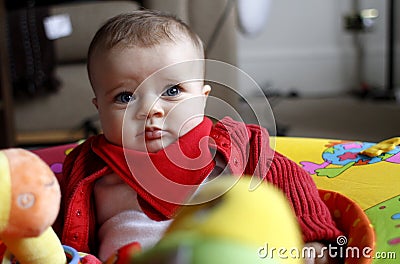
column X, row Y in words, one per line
column 261, row 161
column 314, row 217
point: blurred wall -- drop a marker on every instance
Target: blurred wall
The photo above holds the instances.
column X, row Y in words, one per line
column 304, row 47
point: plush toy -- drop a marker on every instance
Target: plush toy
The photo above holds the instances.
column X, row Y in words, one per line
column 239, row 226
column 30, row 199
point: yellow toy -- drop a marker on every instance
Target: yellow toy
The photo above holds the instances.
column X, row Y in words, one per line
column 30, row 198
column 240, row 226
column 381, row 147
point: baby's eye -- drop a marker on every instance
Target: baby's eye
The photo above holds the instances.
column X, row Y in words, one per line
column 124, row 97
column 172, row 91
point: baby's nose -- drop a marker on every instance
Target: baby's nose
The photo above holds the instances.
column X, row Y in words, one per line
column 150, row 107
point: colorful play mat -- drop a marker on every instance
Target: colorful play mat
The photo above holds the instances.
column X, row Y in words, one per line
column 373, row 183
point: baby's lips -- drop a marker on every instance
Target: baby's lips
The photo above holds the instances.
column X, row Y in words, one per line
column 153, row 134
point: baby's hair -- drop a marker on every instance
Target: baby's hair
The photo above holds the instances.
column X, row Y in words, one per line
column 143, row 28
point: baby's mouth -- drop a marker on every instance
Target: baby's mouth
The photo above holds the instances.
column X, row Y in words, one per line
column 152, row 133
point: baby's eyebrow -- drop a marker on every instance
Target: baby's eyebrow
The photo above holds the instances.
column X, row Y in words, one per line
column 123, row 86
column 172, row 81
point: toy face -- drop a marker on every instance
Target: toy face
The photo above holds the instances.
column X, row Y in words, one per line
column 35, row 194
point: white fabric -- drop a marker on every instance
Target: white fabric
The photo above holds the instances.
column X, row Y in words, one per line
column 127, row 227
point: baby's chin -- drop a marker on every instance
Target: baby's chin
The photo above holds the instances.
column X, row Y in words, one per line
column 154, row 146
column 151, row 146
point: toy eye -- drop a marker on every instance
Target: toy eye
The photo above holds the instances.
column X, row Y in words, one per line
column 26, row 200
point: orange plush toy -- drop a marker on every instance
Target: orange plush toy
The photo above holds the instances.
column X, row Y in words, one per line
column 30, row 200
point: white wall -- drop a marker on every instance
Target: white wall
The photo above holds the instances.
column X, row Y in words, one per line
column 304, row 47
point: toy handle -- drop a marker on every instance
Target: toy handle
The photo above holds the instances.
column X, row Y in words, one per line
column 45, row 248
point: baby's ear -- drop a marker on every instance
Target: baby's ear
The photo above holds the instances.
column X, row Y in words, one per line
column 206, row 89
column 94, row 101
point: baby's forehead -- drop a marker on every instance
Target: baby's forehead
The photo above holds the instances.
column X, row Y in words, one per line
column 178, row 63
column 166, row 53
column 134, row 42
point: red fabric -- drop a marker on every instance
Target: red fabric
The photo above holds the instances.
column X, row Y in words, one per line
column 163, row 180
column 252, row 150
column 3, row 249
column 90, row 259
column 246, row 151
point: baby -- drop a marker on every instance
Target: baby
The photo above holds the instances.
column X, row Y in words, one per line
column 146, row 69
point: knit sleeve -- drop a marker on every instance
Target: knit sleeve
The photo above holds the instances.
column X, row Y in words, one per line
column 313, row 216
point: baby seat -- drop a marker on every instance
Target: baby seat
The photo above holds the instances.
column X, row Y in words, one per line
column 352, row 220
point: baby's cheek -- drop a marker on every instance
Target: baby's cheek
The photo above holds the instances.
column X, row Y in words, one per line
column 189, row 123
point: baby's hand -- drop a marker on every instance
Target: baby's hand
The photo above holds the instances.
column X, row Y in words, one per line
column 321, row 256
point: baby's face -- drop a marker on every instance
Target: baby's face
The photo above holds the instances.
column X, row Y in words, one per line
column 148, row 97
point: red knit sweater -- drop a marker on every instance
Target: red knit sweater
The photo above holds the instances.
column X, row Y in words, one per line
column 245, row 149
